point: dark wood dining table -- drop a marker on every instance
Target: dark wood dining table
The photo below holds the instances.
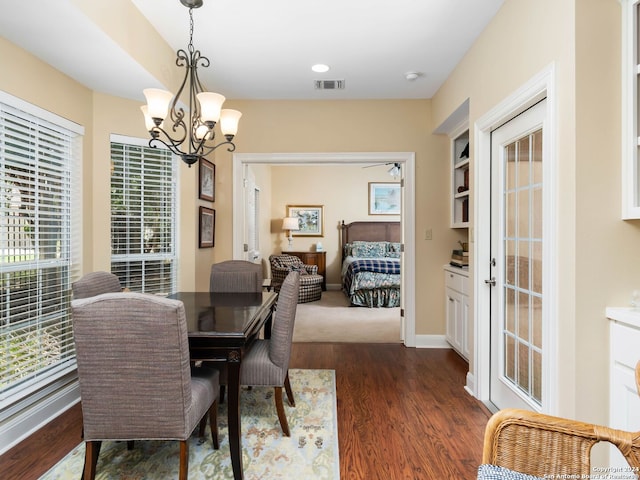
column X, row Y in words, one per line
column 222, row 327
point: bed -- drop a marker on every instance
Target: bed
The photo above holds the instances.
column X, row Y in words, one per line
column 371, row 263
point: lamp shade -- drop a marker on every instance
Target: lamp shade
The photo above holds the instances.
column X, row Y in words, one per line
column 229, row 121
column 157, row 102
column 290, row 223
column 210, row 105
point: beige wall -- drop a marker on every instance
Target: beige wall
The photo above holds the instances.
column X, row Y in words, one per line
column 597, row 267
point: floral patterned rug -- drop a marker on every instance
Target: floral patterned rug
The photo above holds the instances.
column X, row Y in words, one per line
column 310, row 452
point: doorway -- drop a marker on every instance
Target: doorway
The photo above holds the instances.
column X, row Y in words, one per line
column 515, row 300
column 407, row 162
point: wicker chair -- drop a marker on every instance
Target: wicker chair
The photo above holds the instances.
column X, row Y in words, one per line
column 310, row 281
column 543, row 445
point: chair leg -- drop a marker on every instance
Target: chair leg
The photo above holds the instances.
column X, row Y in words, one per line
column 213, row 423
column 92, row 451
column 222, row 390
column 287, row 388
column 203, row 426
column 130, row 444
column 280, row 409
column 184, row 459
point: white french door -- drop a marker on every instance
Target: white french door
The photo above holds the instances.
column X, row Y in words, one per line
column 517, row 244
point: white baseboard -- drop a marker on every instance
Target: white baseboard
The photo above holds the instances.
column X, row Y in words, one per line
column 16, row 429
column 470, row 387
column 431, row 341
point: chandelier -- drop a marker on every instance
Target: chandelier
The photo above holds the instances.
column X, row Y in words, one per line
column 189, row 137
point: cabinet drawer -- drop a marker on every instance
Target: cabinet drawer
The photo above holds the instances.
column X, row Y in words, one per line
column 624, row 344
column 453, row 281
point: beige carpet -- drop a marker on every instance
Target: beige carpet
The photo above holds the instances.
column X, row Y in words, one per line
column 331, row 319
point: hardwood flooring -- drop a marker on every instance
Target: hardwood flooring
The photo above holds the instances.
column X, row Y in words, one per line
column 402, row 414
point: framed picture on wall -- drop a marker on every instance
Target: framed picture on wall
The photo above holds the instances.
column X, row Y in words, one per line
column 310, row 220
column 207, row 227
column 384, row 198
column 207, row 183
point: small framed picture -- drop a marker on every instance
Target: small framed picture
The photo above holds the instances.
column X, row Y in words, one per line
column 384, row 198
column 310, row 220
column 207, row 184
column 207, row 227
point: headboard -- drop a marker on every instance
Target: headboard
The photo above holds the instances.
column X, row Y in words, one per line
column 369, row 231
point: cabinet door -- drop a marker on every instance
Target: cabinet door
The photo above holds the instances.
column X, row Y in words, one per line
column 454, row 315
column 464, row 322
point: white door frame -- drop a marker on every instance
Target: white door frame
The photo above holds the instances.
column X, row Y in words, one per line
column 540, row 86
column 407, row 159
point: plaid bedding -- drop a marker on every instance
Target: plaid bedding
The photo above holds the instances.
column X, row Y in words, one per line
column 384, row 266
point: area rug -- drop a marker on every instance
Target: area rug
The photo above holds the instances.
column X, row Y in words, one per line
column 310, row 452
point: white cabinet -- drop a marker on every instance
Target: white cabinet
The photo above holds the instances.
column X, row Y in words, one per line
column 456, row 281
column 624, row 400
column 460, row 179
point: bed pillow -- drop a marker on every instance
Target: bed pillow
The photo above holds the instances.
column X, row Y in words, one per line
column 493, row 472
column 393, row 249
column 369, row 249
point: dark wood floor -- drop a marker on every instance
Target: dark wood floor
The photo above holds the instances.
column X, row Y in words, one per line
column 402, row 414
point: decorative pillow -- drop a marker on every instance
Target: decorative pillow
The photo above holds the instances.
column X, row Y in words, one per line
column 493, row 472
column 369, row 249
column 394, row 249
column 297, row 268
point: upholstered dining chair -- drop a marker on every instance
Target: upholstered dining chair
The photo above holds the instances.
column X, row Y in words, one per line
column 95, row 283
column 267, row 362
column 135, row 378
column 235, row 276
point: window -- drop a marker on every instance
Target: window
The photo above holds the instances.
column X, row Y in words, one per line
column 143, row 216
column 39, row 251
column 631, row 109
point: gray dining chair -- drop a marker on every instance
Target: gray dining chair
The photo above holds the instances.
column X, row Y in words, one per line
column 134, row 372
column 235, row 276
column 95, row 283
column 267, row 362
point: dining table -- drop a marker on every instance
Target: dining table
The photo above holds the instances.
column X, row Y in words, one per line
column 222, row 328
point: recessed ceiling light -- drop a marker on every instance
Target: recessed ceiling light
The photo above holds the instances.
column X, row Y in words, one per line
column 320, row 68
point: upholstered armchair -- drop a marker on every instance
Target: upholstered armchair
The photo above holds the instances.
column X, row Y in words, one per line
column 267, row 362
column 134, row 372
column 310, row 281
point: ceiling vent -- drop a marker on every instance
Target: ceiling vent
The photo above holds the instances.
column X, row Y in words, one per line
column 329, row 84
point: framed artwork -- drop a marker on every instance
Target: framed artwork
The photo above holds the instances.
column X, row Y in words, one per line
column 384, row 198
column 207, row 182
column 207, row 227
column 310, row 220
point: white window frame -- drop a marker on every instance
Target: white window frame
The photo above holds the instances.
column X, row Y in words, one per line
column 630, row 110
column 171, row 256
column 31, row 403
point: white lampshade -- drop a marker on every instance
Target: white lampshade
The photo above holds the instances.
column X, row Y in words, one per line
column 148, row 121
column 157, row 102
column 210, row 105
column 290, row 223
column 229, row 121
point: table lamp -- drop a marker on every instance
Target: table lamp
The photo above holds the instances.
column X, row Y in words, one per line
column 289, row 224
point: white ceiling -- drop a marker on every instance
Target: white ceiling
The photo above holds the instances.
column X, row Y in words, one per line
column 264, row 50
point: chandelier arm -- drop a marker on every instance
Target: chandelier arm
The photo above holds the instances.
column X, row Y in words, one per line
column 174, row 142
column 153, row 144
column 208, row 150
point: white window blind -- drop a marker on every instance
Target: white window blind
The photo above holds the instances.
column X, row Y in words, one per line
column 143, row 216
column 39, row 158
